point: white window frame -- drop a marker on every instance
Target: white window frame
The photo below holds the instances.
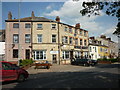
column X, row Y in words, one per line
column 41, row 26
column 53, row 26
column 39, row 54
column 39, row 38
column 64, row 53
column 27, row 38
column 15, row 38
column 54, row 38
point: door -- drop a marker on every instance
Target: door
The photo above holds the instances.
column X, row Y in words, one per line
column 8, row 73
column 54, row 58
column 27, row 54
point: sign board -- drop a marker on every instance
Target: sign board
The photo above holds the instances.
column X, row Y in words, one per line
column 53, row 52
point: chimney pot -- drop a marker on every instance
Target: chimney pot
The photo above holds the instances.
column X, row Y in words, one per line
column 9, row 15
column 58, row 19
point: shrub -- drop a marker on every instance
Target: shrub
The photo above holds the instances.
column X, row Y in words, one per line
column 25, row 62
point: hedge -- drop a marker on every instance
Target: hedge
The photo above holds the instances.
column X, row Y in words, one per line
column 25, row 62
column 111, row 59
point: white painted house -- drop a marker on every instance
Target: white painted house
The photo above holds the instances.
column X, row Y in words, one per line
column 2, row 50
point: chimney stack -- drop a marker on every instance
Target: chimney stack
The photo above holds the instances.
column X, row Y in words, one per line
column 109, row 39
column 77, row 26
column 58, row 19
column 103, row 36
column 32, row 15
column 9, row 15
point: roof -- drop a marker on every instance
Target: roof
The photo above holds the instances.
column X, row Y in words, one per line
column 30, row 19
column 38, row 19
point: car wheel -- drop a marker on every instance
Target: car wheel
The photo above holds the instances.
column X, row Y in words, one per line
column 21, row 78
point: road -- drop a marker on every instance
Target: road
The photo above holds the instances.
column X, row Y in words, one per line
column 69, row 76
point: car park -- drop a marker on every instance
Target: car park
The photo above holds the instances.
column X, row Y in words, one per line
column 85, row 62
column 10, row 72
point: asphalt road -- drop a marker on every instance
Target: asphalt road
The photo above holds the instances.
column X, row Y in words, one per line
column 101, row 76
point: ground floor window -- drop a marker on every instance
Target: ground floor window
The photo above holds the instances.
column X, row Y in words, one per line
column 65, row 54
column 39, row 55
column 15, row 53
column 77, row 54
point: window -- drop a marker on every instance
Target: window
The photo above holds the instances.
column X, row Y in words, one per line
column 95, row 49
column 6, row 66
column 77, row 54
column 27, row 25
column 39, row 26
column 70, row 30
column 80, row 41
column 65, row 55
column 53, row 38
column 40, row 55
column 85, row 33
column 15, row 25
column 70, row 40
column 39, row 37
column 90, row 49
column 64, row 39
column 75, row 31
column 53, row 26
column 85, row 43
column 100, row 49
column 15, row 53
column 65, row 29
column 15, row 38
column 27, row 38
column 76, row 41
column 80, row 32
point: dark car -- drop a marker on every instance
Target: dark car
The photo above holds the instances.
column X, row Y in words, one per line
column 85, row 62
column 11, row 72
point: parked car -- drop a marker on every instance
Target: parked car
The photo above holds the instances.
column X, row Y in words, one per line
column 85, row 62
column 11, row 72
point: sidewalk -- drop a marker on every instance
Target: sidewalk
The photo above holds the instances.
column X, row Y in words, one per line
column 57, row 68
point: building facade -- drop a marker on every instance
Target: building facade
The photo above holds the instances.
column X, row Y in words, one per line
column 44, row 39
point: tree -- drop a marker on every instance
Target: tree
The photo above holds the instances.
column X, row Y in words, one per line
column 111, row 9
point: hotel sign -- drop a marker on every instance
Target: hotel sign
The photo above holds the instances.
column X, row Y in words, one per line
column 53, row 52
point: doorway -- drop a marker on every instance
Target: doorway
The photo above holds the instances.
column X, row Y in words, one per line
column 54, row 58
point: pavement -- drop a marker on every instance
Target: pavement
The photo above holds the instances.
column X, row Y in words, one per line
column 57, row 68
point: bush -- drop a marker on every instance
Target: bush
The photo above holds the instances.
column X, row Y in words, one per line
column 111, row 59
column 25, row 62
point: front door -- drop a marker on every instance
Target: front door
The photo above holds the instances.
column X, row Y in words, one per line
column 54, row 58
column 27, row 54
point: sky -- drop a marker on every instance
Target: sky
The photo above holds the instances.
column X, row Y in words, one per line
column 69, row 13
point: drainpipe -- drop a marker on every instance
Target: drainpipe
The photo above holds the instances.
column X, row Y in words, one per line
column 58, row 44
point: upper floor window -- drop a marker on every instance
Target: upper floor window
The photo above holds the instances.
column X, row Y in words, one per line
column 90, row 49
column 80, row 32
column 85, row 42
column 15, row 25
column 15, row 38
column 39, row 38
column 85, row 33
column 76, row 41
column 100, row 49
column 39, row 26
column 70, row 30
column 27, row 38
column 53, row 26
column 65, row 39
column 95, row 49
column 80, row 41
column 65, row 29
column 75, row 31
column 27, row 25
column 53, row 38
column 70, row 40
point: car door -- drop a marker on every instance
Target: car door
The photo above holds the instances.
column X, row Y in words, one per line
column 8, row 73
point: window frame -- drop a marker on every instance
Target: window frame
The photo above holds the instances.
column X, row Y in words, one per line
column 15, row 38
column 39, row 39
column 15, row 53
column 54, row 38
column 27, row 25
column 26, row 38
column 15, row 25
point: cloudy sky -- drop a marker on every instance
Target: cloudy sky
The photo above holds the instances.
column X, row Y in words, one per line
column 69, row 13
